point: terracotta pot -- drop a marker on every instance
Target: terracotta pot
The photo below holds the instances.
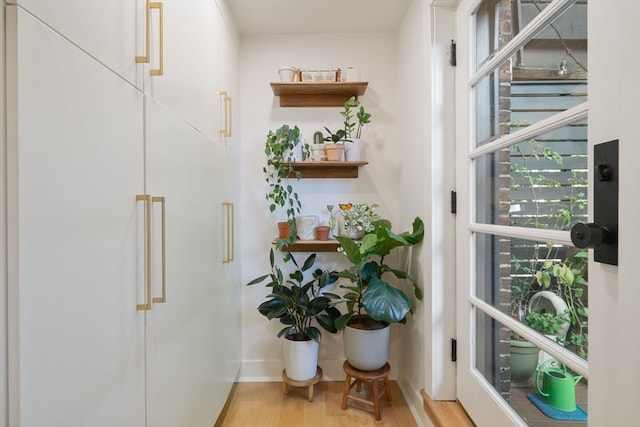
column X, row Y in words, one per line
column 335, row 152
column 322, row 232
column 284, row 230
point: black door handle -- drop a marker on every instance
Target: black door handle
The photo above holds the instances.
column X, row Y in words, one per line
column 591, row 235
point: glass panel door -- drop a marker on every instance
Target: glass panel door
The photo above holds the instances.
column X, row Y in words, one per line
column 522, row 173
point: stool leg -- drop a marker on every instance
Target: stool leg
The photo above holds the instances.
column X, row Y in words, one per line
column 345, row 393
column 387, row 392
column 358, row 385
column 376, row 399
column 310, row 393
column 285, row 388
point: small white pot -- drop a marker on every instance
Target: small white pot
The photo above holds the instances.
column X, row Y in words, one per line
column 318, row 152
column 306, row 225
column 300, row 359
column 287, row 73
column 353, row 150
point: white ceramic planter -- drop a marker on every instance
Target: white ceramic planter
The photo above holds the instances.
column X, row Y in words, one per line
column 306, row 225
column 287, row 73
column 367, row 350
column 300, row 359
column 353, row 150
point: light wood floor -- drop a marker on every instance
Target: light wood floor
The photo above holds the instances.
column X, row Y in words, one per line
column 264, row 405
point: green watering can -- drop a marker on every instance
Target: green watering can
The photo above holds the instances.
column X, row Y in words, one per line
column 558, row 386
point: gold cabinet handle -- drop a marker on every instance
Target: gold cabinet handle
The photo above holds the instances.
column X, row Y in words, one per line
column 147, row 14
column 226, row 132
column 147, row 250
column 158, row 71
column 228, row 207
column 147, row 56
column 163, row 298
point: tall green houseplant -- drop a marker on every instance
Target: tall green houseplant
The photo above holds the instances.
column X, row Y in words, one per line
column 370, row 294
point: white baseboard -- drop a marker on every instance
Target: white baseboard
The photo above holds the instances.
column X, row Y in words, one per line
column 271, row 370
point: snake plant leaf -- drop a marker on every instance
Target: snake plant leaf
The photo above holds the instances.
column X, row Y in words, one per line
column 384, row 302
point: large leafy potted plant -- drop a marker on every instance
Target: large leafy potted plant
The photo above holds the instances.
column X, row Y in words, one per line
column 297, row 301
column 279, row 149
column 373, row 302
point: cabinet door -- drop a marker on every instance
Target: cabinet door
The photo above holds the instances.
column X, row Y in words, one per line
column 185, row 362
column 74, row 165
column 112, row 31
column 230, row 83
column 190, row 81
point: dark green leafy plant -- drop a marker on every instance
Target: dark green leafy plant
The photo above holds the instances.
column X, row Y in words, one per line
column 370, row 293
column 296, row 302
column 336, row 136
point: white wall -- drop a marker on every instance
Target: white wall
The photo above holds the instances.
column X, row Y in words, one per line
column 379, row 181
column 426, row 88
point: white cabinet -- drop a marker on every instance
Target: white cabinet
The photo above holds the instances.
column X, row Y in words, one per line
column 111, row 31
column 185, row 365
column 75, row 164
column 83, row 143
column 190, row 82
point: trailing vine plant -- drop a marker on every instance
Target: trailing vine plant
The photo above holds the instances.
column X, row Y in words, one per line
column 279, row 150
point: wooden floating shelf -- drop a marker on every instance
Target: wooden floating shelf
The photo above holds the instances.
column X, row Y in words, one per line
column 311, row 246
column 317, row 94
column 326, row 169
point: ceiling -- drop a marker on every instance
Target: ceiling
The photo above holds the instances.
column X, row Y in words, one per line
column 317, row 16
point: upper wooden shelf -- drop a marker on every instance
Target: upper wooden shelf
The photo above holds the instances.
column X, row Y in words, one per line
column 326, row 169
column 317, row 94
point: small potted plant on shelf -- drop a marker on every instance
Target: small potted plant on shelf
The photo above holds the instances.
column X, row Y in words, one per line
column 279, row 150
column 297, row 302
column 358, row 219
column 353, row 130
column 373, row 302
column 334, row 145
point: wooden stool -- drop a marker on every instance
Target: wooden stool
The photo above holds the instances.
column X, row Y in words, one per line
column 286, row 381
column 366, row 376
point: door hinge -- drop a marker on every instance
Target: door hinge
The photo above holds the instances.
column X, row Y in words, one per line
column 454, row 350
column 452, row 58
column 454, row 202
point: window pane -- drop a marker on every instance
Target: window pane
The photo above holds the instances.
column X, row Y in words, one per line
column 538, row 183
column 498, row 21
column 544, row 77
column 543, row 285
column 509, row 365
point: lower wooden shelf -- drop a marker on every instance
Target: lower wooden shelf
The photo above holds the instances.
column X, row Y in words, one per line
column 312, row 246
